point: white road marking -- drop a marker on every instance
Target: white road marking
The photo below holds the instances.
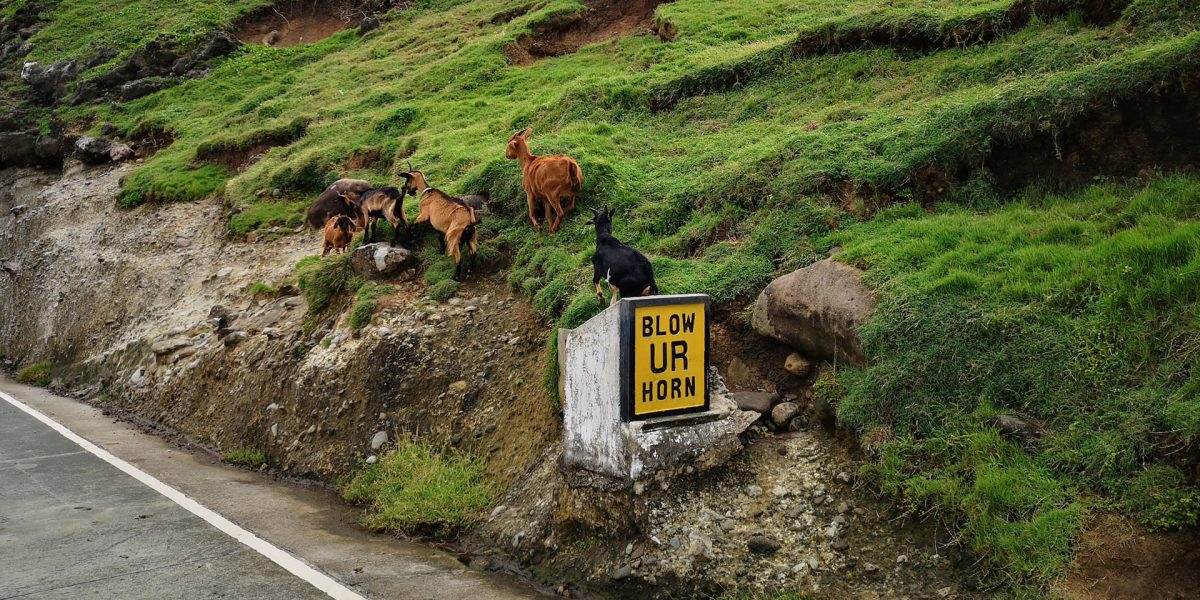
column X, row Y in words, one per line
column 278, row 556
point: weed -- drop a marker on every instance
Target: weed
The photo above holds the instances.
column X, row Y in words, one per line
column 414, row 488
column 38, row 374
column 246, row 456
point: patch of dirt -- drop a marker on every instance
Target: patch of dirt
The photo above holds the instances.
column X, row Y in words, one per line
column 1155, row 130
column 601, row 21
column 1117, row 560
column 305, row 21
column 147, row 143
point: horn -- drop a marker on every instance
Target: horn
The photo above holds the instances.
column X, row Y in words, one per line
column 594, row 211
column 409, row 163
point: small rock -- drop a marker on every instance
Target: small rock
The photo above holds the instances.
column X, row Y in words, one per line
column 945, row 592
column 18, row 209
column 843, row 477
column 738, row 373
column 903, row 558
column 120, row 152
column 1015, row 428
column 840, row 545
column 759, row 402
column 225, row 272
column 275, row 430
column 843, row 507
column 753, row 491
column 458, row 386
column 761, row 544
column 378, row 440
column 235, row 337
column 782, row 414
column 728, row 525
column 622, row 573
column 182, row 242
column 797, row 365
column 372, row 459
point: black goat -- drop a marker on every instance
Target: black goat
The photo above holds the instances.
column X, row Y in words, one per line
column 626, row 270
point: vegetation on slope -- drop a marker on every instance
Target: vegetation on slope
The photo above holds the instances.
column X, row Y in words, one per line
column 1077, row 310
column 761, row 134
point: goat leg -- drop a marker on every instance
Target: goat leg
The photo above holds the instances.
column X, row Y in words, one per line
column 613, row 290
column 599, row 291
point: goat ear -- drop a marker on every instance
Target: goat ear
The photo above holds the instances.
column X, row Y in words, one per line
column 611, row 212
column 528, row 130
column 590, row 222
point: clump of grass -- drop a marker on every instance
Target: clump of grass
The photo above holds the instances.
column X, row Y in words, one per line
column 365, row 302
column 262, row 288
column 415, row 488
column 246, row 456
column 37, row 373
column 324, row 278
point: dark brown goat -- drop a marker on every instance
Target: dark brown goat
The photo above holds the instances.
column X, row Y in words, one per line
column 340, row 198
column 554, row 181
column 450, row 216
column 387, row 203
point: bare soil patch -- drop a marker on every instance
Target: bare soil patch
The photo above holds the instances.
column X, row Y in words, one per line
column 305, row 22
column 601, row 21
column 1118, row 559
column 1153, row 131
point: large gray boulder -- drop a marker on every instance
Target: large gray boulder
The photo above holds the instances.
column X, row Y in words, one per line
column 817, row 310
column 381, row 261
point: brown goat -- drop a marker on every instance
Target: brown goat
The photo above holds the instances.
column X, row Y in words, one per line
column 339, row 230
column 387, row 203
column 554, row 181
column 455, row 220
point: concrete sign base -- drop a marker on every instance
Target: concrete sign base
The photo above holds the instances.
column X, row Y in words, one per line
column 595, row 438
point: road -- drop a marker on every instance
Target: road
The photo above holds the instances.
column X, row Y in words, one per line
column 94, row 508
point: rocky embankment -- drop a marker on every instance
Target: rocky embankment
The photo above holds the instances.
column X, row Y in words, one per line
column 149, row 311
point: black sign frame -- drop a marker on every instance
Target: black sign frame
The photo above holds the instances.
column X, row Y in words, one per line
column 626, row 317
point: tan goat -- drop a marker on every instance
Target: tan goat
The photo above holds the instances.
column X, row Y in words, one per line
column 452, row 218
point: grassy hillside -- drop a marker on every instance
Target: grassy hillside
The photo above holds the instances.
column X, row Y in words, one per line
column 761, row 134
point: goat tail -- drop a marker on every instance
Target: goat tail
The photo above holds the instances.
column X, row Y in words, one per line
column 574, row 174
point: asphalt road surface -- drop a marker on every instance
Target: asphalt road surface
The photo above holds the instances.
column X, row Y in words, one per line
column 79, row 521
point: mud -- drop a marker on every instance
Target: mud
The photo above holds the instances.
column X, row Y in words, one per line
column 601, row 21
column 1119, row 560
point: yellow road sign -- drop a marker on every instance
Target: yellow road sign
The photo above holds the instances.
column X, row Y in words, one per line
column 665, row 355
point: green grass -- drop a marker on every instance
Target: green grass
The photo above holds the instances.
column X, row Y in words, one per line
column 323, row 278
column 76, row 30
column 365, row 302
column 418, row 489
column 246, row 456
column 1076, row 309
column 38, row 374
column 259, row 288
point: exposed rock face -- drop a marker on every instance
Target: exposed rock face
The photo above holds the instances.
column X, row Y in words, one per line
column 50, row 81
column 381, row 261
column 817, row 310
column 92, row 150
column 16, row 149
